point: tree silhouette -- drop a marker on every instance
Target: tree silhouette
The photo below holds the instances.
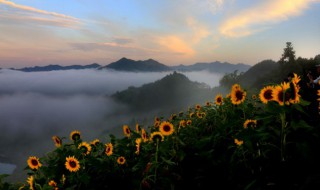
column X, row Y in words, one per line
column 288, row 55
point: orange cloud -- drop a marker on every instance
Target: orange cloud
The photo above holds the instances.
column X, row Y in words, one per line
column 274, row 11
column 176, row 45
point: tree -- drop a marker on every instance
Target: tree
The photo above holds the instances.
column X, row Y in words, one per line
column 288, row 55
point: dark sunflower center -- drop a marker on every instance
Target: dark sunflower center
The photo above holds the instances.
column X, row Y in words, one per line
column 34, row 162
column 84, row 148
column 72, row 164
column 268, row 94
column 239, row 95
column 219, row 100
column 75, row 137
column 157, row 137
column 127, row 131
column 108, row 149
column 121, row 160
column 280, row 96
column 166, row 128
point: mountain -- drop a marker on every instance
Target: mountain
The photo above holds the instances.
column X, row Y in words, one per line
column 58, row 67
column 216, row 67
column 173, row 91
column 255, row 76
column 125, row 64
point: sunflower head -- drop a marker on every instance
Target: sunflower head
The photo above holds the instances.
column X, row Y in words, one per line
column 138, row 128
column 52, row 183
column 144, row 135
column 250, row 123
column 237, row 95
column 166, row 128
column 126, row 130
column 208, row 103
column 280, row 94
column 75, row 135
column 34, row 163
column 72, row 164
column 218, row 99
column 182, row 123
column 109, row 149
column 156, row 136
column 238, row 142
column 138, row 142
column 30, row 181
column 57, row 141
column 85, row 148
column 95, row 142
column 189, row 122
column 198, row 106
column 265, row 94
column 121, row 160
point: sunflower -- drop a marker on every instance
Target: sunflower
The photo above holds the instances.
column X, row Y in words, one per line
column 166, row 128
column 34, row 163
column 208, row 103
column 156, row 124
column 199, row 115
column 250, row 122
column 191, row 114
column 279, row 94
column 238, row 142
column 173, row 116
column 296, row 79
column 189, row 122
column 144, row 135
column 235, row 87
column 30, row 181
column 109, row 149
column 72, row 164
column 95, row 142
column 182, row 123
column 126, row 130
column 218, row 99
column 254, row 97
column 156, row 135
column 198, row 107
column 138, row 128
column 294, row 93
column 121, row 160
column 57, row 141
column 75, row 135
column 266, row 94
column 52, row 183
column 138, row 142
column 85, row 147
column 237, row 95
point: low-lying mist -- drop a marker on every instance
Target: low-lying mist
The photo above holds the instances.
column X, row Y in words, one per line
column 35, row 106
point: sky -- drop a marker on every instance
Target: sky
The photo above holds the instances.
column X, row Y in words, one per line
column 173, row 32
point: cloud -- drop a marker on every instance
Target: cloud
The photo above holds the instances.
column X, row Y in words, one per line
column 176, row 45
column 22, row 13
column 260, row 17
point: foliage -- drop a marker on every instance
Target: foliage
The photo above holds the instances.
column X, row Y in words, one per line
column 242, row 143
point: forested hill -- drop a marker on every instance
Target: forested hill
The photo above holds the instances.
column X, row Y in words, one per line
column 174, row 90
column 125, row 64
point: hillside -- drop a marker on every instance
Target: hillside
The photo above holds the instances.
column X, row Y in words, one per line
column 125, row 64
column 58, row 67
column 216, row 67
column 173, row 91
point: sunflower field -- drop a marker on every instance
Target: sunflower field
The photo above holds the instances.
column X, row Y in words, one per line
column 238, row 141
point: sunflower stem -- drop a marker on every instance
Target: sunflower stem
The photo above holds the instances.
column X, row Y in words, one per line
column 156, row 160
column 283, row 136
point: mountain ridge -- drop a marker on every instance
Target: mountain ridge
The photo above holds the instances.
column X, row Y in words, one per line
column 149, row 65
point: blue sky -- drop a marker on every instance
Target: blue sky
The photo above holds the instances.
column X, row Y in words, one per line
column 173, row 32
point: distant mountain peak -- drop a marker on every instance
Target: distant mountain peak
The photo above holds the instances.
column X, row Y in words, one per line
column 125, row 64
